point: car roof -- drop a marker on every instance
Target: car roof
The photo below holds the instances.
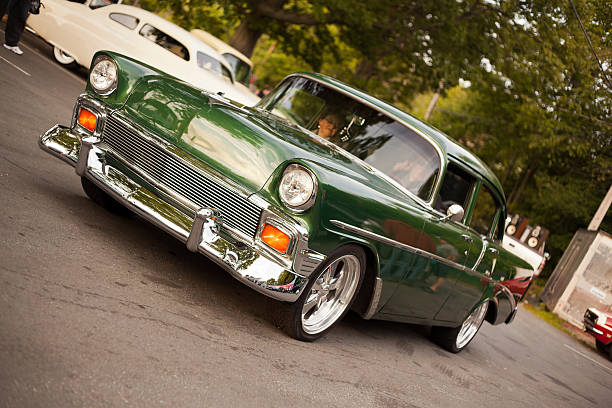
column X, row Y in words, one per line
column 453, row 150
column 220, row 46
column 170, row 28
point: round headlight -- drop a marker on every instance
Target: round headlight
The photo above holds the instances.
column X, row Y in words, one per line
column 298, row 188
column 103, row 76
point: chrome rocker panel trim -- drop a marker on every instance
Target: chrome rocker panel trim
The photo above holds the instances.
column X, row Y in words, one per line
column 399, row 245
column 244, row 261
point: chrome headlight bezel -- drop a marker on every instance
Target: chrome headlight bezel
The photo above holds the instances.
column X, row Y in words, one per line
column 305, row 204
column 109, row 67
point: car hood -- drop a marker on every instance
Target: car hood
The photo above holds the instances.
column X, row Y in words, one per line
column 245, row 145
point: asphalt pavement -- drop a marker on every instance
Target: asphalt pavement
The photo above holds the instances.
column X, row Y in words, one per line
column 98, row 310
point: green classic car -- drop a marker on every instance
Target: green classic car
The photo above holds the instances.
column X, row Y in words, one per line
column 320, row 196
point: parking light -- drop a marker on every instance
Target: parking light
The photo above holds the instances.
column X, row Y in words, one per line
column 87, row 119
column 275, row 238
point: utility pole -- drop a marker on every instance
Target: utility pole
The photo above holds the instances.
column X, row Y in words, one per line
column 601, row 211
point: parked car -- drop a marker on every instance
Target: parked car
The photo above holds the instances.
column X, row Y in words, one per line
column 599, row 325
column 526, row 242
column 241, row 65
column 76, row 30
column 388, row 217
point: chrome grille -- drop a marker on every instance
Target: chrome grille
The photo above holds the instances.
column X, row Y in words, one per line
column 236, row 211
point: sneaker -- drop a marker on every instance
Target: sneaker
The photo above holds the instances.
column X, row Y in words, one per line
column 15, row 49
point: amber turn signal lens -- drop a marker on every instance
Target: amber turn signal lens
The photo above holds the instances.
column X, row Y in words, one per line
column 87, row 119
column 275, row 238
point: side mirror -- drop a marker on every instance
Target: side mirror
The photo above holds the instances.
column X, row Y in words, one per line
column 454, row 213
column 547, row 256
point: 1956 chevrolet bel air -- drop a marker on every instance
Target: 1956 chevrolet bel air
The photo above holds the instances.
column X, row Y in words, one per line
column 320, row 196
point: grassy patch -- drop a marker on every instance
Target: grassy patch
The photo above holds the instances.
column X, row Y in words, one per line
column 555, row 321
column 532, row 303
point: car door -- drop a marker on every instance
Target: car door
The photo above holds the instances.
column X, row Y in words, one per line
column 481, row 259
column 444, row 246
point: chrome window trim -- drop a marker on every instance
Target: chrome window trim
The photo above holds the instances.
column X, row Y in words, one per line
column 399, row 245
column 427, row 138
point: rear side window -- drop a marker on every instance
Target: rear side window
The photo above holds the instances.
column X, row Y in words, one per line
column 484, row 212
column 125, row 20
column 164, row 40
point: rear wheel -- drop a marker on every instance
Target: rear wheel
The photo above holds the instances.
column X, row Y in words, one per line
column 62, row 57
column 455, row 339
column 97, row 195
column 602, row 348
column 328, row 295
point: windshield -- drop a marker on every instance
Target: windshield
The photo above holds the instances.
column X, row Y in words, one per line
column 207, row 62
column 382, row 142
column 242, row 70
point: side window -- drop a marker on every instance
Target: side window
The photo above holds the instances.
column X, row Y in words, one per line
column 164, row 40
column 125, row 20
column 99, row 3
column 456, row 189
column 484, row 212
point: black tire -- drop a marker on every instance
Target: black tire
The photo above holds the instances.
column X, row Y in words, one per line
column 602, row 348
column 98, row 196
column 448, row 337
column 347, row 263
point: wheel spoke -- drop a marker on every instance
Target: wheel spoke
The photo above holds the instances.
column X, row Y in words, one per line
column 338, row 282
column 470, row 326
column 312, row 301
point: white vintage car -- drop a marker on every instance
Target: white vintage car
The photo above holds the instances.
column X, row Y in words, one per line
column 241, row 65
column 77, row 29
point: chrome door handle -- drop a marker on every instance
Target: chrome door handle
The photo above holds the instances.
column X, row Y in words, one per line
column 467, row 237
column 493, row 251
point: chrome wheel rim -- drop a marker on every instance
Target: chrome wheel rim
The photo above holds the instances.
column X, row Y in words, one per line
column 471, row 325
column 62, row 57
column 330, row 294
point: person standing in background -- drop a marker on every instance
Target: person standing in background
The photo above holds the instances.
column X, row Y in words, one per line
column 15, row 24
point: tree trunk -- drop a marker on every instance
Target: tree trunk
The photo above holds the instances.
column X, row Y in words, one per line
column 245, row 38
column 518, row 189
column 364, row 71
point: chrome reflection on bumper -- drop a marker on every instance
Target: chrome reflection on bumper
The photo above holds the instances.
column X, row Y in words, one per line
column 202, row 233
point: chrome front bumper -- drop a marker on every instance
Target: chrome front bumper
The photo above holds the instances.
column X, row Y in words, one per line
column 246, row 261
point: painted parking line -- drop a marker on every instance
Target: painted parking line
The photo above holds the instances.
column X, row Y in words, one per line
column 14, row 66
column 589, row 358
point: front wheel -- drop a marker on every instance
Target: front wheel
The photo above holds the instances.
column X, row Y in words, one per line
column 455, row 339
column 97, row 195
column 602, row 348
column 62, row 57
column 331, row 290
